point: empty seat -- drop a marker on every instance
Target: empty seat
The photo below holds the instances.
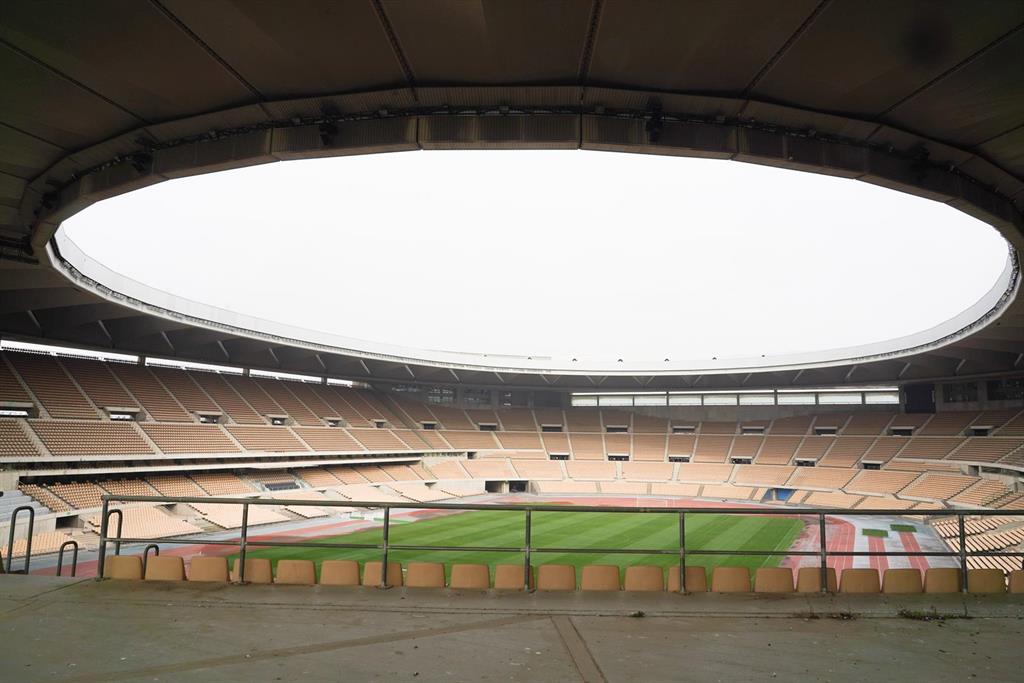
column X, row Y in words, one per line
column 808, row 580
column 208, row 569
column 556, row 577
column 859, row 581
column 942, row 580
column 600, row 577
column 424, row 575
column 773, row 580
column 296, row 572
column 123, row 567
column 644, row 578
column 509, row 577
column 1017, row 581
column 165, row 568
column 902, row 581
column 339, row 573
column 696, row 579
column 986, row 581
column 372, row 570
column 730, row 580
column 471, row 577
column 257, row 570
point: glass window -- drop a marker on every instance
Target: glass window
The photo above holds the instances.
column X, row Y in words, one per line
column 684, row 399
column 616, row 400
column 1006, row 390
column 874, row 398
column 757, row 399
column 719, row 399
column 960, row 392
column 584, row 401
column 839, row 399
column 796, row 399
column 650, row 400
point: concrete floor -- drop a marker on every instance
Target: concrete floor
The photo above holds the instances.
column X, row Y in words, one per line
column 88, row 631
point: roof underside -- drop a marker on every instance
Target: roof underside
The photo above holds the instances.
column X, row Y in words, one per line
column 102, row 97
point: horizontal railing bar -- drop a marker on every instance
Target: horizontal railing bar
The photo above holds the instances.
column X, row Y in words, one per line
column 567, row 551
column 778, row 512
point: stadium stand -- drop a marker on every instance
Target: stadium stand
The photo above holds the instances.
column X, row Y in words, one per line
column 51, row 385
column 191, row 438
column 155, row 399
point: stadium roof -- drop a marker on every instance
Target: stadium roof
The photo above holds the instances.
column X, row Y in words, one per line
column 100, row 98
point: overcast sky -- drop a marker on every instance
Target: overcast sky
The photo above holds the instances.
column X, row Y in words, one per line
column 564, row 253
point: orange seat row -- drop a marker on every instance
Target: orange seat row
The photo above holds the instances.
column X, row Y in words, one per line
column 563, row 577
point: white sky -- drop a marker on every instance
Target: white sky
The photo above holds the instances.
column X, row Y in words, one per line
column 562, row 253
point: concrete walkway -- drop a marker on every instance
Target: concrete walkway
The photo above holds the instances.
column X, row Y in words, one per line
column 89, row 631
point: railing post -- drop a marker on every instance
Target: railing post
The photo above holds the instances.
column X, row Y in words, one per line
column 145, row 556
column 824, row 552
column 104, row 528
column 682, row 552
column 384, row 563
column 74, row 557
column 528, row 538
column 243, row 540
column 120, row 530
column 963, row 551
column 28, row 543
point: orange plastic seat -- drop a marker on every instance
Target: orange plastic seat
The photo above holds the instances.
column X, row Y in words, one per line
column 470, row 577
column 339, row 573
column 696, row 579
column 902, row 581
column 123, row 567
column 424, row 575
column 296, row 572
column 808, row 580
column 1017, row 581
column 859, row 581
column 165, row 568
column 773, row 580
column 600, row 577
column 257, row 570
column 208, row 569
column 942, row 580
column 509, row 577
column 556, row 577
column 730, row 580
column 644, row 578
column 372, row 569
column 986, row 581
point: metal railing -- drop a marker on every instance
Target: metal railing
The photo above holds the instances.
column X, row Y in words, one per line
column 528, row 549
column 28, row 543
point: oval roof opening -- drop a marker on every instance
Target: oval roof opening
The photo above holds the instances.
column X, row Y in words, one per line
column 564, row 259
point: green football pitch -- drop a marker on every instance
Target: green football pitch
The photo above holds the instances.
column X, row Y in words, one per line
column 591, row 530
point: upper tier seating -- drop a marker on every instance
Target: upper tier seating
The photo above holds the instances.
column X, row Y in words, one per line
column 52, row 386
column 175, row 485
column 10, row 388
column 190, row 438
column 14, row 441
column 90, row 438
column 229, row 400
column 339, row 406
column 156, row 400
column 265, row 438
column 98, row 383
column 255, row 396
column 282, row 394
column 327, row 439
column 221, row 483
column 185, row 389
column 470, row 440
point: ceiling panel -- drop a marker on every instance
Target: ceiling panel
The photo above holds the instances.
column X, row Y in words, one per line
column 128, row 52
column 491, row 41
column 864, row 56
column 296, row 47
column 691, row 46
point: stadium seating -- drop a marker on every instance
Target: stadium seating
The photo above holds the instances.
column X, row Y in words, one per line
column 859, row 581
column 808, row 580
column 902, row 581
column 644, row 578
column 257, row 570
column 296, row 572
column 424, row 575
column 730, row 580
column 124, row 567
column 372, row 574
column 556, row 577
column 165, row 568
column 209, row 569
column 773, row 580
column 470, row 577
column 339, row 573
column 600, row 577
